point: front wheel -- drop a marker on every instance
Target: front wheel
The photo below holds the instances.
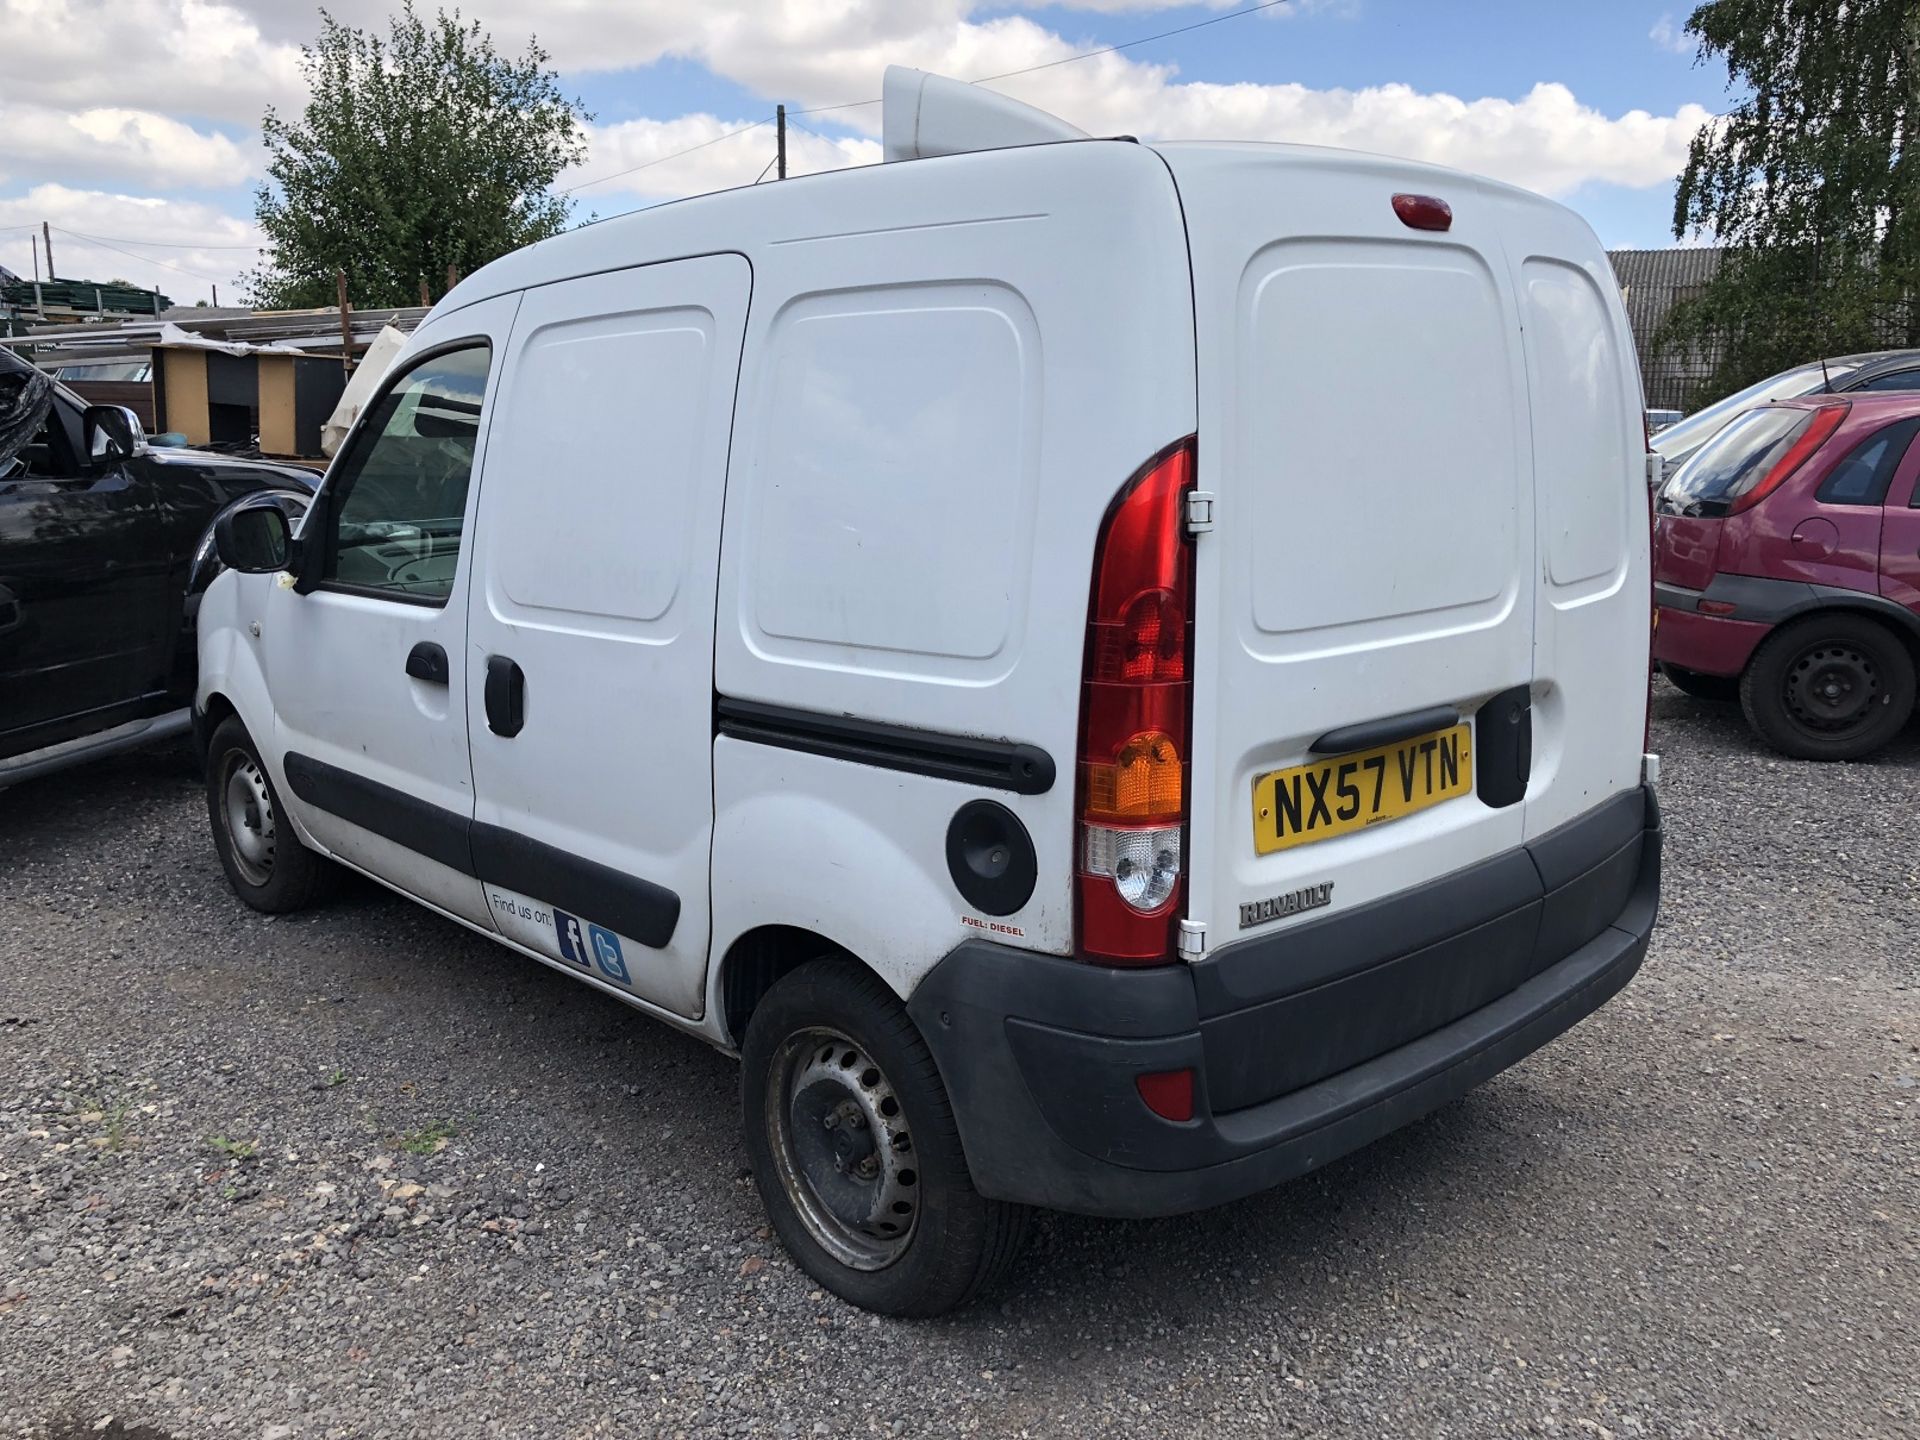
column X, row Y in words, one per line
column 855, row 1151
column 265, row 862
column 1830, row 687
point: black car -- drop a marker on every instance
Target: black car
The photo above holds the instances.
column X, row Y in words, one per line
column 105, row 545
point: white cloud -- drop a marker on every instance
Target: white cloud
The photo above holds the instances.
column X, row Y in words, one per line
column 180, row 64
column 167, row 245
column 113, row 143
column 178, row 57
column 1672, row 37
column 1546, row 140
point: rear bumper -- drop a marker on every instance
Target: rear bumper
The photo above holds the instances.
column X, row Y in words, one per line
column 1711, row 644
column 1306, row 1044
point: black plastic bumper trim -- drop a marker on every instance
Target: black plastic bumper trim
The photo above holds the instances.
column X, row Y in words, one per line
column 1040, row 1054
column 1764, row 601
column 998, row 764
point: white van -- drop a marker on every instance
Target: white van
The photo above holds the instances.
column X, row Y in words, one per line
column 1110, row 675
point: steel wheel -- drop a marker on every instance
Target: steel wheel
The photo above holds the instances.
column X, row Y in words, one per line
column 247, row 812
column 842, row 1149
column 1832, row 688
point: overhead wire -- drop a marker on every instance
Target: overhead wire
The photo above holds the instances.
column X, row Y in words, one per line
column 979, row 80
column 662, row 159
column 1071, row 59
column 143, row 259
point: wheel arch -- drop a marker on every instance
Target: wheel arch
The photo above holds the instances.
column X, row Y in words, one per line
column 208, row 716
column 759, row 959
column 1901, row 622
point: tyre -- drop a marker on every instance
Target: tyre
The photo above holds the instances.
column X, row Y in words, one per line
column 1830, row 687
column 854, row 1147
column 1702, row 687
column 265, row 862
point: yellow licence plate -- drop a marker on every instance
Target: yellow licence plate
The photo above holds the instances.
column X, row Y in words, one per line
column 1304, row 803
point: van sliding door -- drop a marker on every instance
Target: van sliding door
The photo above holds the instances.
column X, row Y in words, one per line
column 590, row 691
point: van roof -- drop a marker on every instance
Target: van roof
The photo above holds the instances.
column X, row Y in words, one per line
column 809, row 205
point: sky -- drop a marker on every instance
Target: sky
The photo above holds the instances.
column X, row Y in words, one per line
column 132, row 126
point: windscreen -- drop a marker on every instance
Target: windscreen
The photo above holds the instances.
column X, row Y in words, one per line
column 1733, row 462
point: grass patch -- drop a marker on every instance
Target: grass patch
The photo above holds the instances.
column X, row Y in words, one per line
column 117, row 1123
column 234, row 1149
column 430, row 1141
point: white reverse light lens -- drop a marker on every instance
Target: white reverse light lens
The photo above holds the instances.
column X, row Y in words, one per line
column 1143, row 864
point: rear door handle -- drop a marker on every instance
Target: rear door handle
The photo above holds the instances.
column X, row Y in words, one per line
column 506, row 696
column 1370, row 733
column 427, row 662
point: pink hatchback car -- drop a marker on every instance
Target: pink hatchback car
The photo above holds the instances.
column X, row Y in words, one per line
column 1787, row 571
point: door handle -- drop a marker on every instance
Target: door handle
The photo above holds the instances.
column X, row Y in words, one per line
column 506, row 696
column 1369, row 733
column 428, row 662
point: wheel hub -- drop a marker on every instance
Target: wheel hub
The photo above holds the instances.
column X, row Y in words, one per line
column 845, row 1154
column 1832, row 688
column 248, row 811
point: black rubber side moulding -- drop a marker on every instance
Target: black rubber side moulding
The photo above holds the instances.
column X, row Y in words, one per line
column 996, row 764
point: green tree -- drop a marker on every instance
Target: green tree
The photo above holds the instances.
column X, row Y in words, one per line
column 424, row 150
column 1808, row 183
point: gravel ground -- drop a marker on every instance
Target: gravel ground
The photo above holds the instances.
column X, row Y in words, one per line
column 360, row 1173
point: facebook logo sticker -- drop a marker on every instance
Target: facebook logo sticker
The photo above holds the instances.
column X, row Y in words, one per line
column 572, row 935
column 606, row 950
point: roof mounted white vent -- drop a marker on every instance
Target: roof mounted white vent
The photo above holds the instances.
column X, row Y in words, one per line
column 925, row 115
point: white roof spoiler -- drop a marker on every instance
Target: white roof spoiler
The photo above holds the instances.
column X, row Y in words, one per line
column 924, row 115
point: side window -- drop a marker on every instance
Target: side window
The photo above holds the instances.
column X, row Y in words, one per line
column 1862, row 478
column 1898, row 380
column 401, row 493
column 46, row 453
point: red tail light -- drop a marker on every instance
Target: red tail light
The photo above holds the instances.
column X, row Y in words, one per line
column 1135, row 715
column 1825, row 421
column 1168, row 1093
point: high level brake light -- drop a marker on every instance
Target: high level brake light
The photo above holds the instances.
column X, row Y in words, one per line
column 1135, row 715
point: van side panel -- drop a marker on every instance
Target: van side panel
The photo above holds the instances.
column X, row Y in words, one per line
column 923, row 524
column 950, row 370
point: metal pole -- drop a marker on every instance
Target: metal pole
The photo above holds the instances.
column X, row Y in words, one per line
column 46, row 233
column 216, row 297
column 346, row 325
column 36, row 258
column 780, row 133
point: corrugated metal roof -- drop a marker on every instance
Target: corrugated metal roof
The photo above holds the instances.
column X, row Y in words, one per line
column 1651, row 280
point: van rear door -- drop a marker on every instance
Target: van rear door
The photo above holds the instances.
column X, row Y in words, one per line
column 1364, row 609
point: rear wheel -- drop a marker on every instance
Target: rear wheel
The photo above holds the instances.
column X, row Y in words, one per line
column 265, row 862
column 1830, row 687
column 1702, row 687
column 854, row 1147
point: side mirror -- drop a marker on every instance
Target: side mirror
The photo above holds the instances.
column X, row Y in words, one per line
column 113, row 434
column 253, row 539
